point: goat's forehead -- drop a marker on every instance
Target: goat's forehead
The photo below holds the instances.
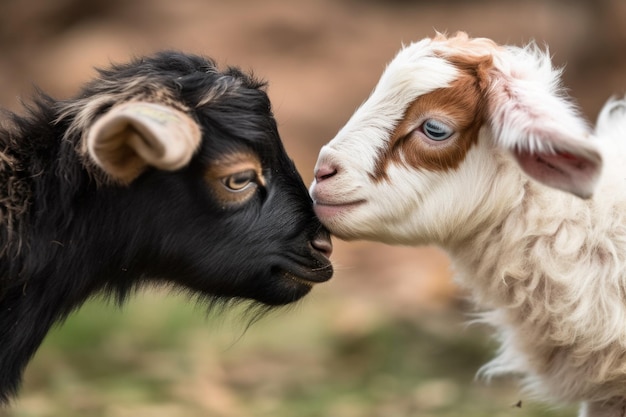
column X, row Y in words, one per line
column 429, row 77
column 415, row 71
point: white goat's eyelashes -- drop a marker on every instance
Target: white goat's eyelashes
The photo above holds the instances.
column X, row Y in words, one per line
column 436, row 130
column 240, row 181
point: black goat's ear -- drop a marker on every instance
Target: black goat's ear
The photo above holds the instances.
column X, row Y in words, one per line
column 134, row 135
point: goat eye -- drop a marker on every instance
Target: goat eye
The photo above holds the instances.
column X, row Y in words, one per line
column 240, row 181
column 436, row 130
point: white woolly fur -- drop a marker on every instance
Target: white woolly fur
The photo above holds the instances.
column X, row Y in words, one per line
column 545, row 266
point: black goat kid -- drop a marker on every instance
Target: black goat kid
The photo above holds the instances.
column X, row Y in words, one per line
column 164, row 170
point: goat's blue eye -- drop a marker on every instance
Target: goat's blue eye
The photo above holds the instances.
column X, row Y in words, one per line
column 240, row 181
column 436, row 130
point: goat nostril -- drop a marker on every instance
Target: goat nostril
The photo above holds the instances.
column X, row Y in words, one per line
column 324, row 172
column 323, row 245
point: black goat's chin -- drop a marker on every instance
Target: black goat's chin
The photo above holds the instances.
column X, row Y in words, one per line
column 298, row 279
column 319, row 271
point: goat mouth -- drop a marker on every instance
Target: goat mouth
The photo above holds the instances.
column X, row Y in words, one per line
column 307, row 274
column 298, row 279
column 325, row 209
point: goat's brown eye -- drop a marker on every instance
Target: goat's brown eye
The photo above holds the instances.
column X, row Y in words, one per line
column 240, row 181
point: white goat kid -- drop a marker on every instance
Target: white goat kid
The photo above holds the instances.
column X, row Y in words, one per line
column 445, row 151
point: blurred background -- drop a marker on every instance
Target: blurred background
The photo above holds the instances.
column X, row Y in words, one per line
column 387, row 336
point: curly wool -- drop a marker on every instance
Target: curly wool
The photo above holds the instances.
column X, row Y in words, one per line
column 551, row 271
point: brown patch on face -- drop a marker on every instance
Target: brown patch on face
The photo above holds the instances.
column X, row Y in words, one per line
column 224, row 172
column 461, row 106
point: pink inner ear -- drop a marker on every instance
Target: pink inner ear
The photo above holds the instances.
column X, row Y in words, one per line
column 576, row 174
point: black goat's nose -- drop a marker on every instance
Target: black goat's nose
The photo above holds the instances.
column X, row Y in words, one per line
column 325, row 172
column 323, row 244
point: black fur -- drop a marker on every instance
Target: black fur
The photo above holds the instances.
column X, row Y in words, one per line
column 69, row 233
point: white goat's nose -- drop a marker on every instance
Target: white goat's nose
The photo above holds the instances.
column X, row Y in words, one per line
column 325, row 171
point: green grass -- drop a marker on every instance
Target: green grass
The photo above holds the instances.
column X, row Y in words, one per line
column 163, row 356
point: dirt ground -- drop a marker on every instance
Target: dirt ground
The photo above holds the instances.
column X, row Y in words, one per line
column 321, row 58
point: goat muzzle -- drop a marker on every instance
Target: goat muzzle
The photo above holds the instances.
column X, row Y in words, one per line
column 323, row 244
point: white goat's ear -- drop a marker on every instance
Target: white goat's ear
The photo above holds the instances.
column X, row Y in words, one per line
column 546, row 135
column 134, row 135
